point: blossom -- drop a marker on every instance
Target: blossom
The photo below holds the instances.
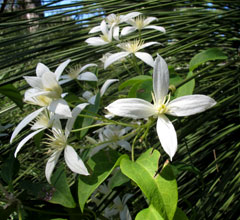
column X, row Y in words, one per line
column 182, row 106
column 131, row 48
column 90, row 97
column 58, row 143
column 77, row 73
column 140, row 23
column 112, row 134
column 46, row 90
column 113, row 22
column 105, row 38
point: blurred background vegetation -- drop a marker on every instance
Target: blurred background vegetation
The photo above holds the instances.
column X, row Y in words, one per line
column 50, row 32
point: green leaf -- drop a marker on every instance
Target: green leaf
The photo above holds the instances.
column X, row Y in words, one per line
column 149, row 213
column 187, row 88
column 133, row 81
column 12, row 93
column 10, row 168
column 160, row 189
column 180, row 215
column 206, row 55
column 91, row 110
column 62, row 194
column 101, row 164
column 180, row 166
column 117, row 179
column 144, row 90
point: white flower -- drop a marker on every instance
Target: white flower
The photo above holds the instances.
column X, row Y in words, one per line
column 42, row 122
column 58, row 143
column 182, row 106
column 140, row 23
column 90, row 97
column 77, row 73
column 131, row 48
column 46, row 90
column 112, row 134
column 105, row 38
column 113, row 22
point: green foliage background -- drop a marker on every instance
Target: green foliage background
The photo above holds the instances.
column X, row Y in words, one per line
column 208, row 157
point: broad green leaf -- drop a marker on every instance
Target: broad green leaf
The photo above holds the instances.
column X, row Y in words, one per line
column 91, row 110
column 117, row 179
column 100, row 166
column 12, row 93
column 180, row 215
column 187, row 88
column 142, row 90
column 206, row 55
column 160, row 189
column 62, row 194
column 149, row 213
column 174, row 79
column 133, row 81
column 9, row 169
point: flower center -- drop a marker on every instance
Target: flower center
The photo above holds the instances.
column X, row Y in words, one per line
column 139, row 21
column 113, row 19
column 132, row 47
column 74, row 72
column 105, row 38
column 162, row 109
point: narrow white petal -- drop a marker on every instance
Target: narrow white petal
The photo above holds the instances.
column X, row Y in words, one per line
column 125, row 145
column 61, row 108
column 114, row 57
column 127, row 30
column 125, row 214
column 167, row 135
column 129, row 16
column 87, row 95
column 61, row 82
column 132, row 108
column 148, row 44
column 41, row 68
column 61, row 67
column 116, row 32
column 34, row 82
column 105, row 86
column 74, row 162
column 96, row 41
column 104, row 27
column 49, row 80
column 95, row 29
column 190, row 105
column 92, row 99
column 145, row 57
column 75, row 112
column 33, row 92
column 148, row 20
column 87, row 76
column 51, row 163
column 160, row 79
column 126, row 197
column 86, row 66
column 97, row 149
column 158, row 28
column 25, row 140
column 25, row 122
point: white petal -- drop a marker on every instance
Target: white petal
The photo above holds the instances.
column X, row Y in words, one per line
column 49, row 81
column 92, row 99
column 74, row 162
column 75, row 112
column 145, row 57
column 129, row 16
column 132, row 108
column 105, row 86
column 148, row 44
column 61, row 82
column 25, row 122
column 87, row 95
column 160, row 79
column 86, row 66
column 116, row 33
column 41, row 68
column 158, row 28
column 125, row 214
column 61, row 67
column 125, row 145
column 114, row 57
column 34, row 82
column 25, row 140
column 104, row 27
column 148, row 20
column 96, row 41
column 127, row 30
column 95, row 29
column 33, row 92
column 97, row 149
column 87, row 76
column 167, row 135
column 190, row 105
column 51, row 163
column 126, row 197
column 61, row 108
